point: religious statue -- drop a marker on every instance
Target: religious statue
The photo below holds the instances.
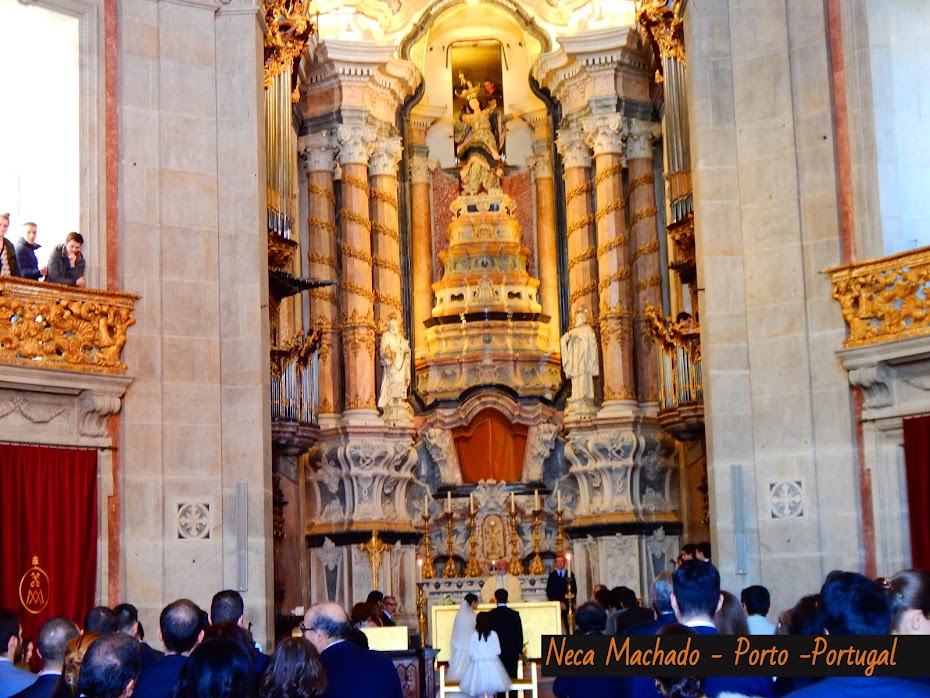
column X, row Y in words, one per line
column 479, row 139
column 580, row 363
column 394, row 355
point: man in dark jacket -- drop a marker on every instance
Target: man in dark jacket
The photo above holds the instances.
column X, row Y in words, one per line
column 66, row 263
column 26, row 248
column 509, row 628
column 8, row 265
column 53, row 638
column 181, row 629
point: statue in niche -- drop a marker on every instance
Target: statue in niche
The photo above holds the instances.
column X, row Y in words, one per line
column 479, row 139
column 580, row 363
column 394, row 355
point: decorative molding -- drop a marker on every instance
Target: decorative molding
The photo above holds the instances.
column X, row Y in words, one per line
column 36, row 412
column 330, row 555
column 385, row 157
column 539, row 444
column 193, row 521
column 93, row 412
column 441, row 448
column 573, row 148
column 318, row 151
column 876, row 383
column 604, row 134
column 786, row 499
column 356, row 144
column 640, row 136
column 421, row 169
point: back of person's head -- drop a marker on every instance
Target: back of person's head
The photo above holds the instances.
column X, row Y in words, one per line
column 74, row 654
column 908, row 590
column 230, row 631
column 590, row 618
column 294, row 671
column 731, row 619
column 662, row 593
column 624, row 597
column 361, row 612
column 696, row 586
column 484, row 624
column 329, row 619
column 605, row 599
column 375, row 596
column 54, row 637
column 501, row 595
column 702, row 550
column 680, row 686
column 9, row 628
column 127, row 616
column 180, row 623
column 217, row 668
column 853, row 604
column 756, row 599
column 227, row 607
column 806, row 618
column 109, row 666
column 100, row 619
column 471, row 598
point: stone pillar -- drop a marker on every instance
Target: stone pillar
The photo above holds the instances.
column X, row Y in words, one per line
column 582, row 252
column 647, row 275
column 319, row 151
column 605, row 135
column 540, row 164
column 356, row 144
column 385, row 239
column 421, row 244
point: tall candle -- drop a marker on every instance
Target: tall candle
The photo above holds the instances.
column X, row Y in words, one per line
column 513, row 504
column 449, row 502
column 471, row 502
column 426, row 505
column 419, row 569
column 558, row 506
column 536, row 497
column 568, row 558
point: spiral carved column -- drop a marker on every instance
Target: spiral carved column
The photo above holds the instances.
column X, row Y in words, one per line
column 540, row 164
column 356, row 144
column 582, row 249
column 319, row 157
column 647, row 274
column 605, row 135
column 421, row 249
column 385, row 239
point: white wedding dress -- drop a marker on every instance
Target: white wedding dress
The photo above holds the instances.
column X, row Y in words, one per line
column 462, row 630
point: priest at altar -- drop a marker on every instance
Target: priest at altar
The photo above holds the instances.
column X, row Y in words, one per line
column 502, row 580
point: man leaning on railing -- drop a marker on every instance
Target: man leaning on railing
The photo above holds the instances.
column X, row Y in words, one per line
column 66, row 263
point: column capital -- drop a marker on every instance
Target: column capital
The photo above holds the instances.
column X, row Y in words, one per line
column 421, row 169
column 640, row 137
column 356, row 144
column 385, row 157
column 571, row 144
column 318, row 151
column 540, row 162
column 604, row 134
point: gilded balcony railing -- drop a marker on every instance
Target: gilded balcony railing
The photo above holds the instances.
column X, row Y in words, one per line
column 681, row 388
column 294, row 375
column 885, row 298
column 55, row 326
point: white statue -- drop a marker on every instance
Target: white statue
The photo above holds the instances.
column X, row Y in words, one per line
column 395, row 358
column 580, row 362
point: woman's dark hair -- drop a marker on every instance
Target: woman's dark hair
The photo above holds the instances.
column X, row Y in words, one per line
column 680, row 686
column 906, row 590
column 217, row 668
column 483, row 625
column 807, row 616
column 294, row 672
column 470, row 598
column 730, row 619
column 360, row 613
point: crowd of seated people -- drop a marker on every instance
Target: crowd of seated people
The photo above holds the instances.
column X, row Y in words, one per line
column 65, row 263
column 207, row 655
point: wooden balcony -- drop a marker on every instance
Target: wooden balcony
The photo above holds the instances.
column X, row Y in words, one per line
column 294, row 396
column 681, row 389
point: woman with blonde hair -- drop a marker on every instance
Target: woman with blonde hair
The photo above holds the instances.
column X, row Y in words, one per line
column 74, row 655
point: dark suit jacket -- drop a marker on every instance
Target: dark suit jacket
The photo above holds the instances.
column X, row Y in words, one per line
column 509, row 628
column 148, row 656
column 557, row 586
column 387, row 621
column 11, row 257
column 353, row 672
column 44, row 687
column 653, row 626
column 159, row 681
column 633, row 617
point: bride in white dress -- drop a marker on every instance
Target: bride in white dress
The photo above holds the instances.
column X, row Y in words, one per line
column 462, row 630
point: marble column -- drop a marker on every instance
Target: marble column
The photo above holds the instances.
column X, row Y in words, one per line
column 421, row 248
column 605, row 135
column 356, row 144
column 319, row 151
column 385, row 238
column 582, row 250
column 540, row 164
column 644, row 241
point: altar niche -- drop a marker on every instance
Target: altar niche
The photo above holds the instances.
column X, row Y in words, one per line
column 490, row 447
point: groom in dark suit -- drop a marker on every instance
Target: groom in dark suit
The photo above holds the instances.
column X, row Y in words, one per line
column 509, row 628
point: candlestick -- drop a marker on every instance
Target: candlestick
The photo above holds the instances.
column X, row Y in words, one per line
column 513, row 504
column 451, row 570
column 426, row 504
column 516, row 564
column 558, row 496
column 428, row 570
column 472, row 569
column 421, row 612
column 419, row 569
column 536, row 499
column 471, row 503
column 536, row 564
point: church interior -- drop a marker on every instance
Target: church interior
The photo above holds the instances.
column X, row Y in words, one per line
column 383, row 292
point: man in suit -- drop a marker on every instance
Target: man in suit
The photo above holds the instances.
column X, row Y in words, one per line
column 509, row 628
column 100, row 619
column 633, row 614
column 590, row 619
column 351, row 671
column 53, row 637
column 12, row 679
column 110, row 667
column 502, row 579
column 558, row 583
column 180, row 628
column 227, row 606
column 661, row 605
column 127, row 616
column 388, row 609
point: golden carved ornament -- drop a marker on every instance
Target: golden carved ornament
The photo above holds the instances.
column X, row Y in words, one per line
column 299, row 349
column 642, row 215
column 884, row 299
column 584, row 255
column 375, row 549
column 360, row 219
column 289, row 33
column 383, row 263
column 324, row 294
column 385, row 197
column 642, row 180
column 611, row 327
column 321, row 224
column 660, row 23
column 55, row 326
column 582, row 188
column 280, row 252
column 646, row 248
column 361, row 402
column 325, row 260
column 653, row 281
column 622, row 393
column 387, row 231
column 671, row 334
column 356, row 182
column 387, row 299
column 322, row 192
column 359, row 290
column 609, row 207
column 326, row 407
column 607, row 173
column 579, row 224
column 589, row 287
column 356, row 253
column 619, row 275
column 614, row 242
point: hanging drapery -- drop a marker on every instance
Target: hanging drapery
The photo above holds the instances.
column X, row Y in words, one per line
column 48, row 511
column 491, row 448
column 917, row 465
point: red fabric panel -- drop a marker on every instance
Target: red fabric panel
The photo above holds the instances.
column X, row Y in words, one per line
column 917, row 465
column 491, row 448
column 48, row 509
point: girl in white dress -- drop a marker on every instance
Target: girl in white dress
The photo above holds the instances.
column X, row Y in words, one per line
column 462, row 630
column 485, row 675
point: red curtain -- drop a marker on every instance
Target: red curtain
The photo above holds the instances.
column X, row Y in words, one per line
column 491, row 448
column 48, row 510
column 917, row 465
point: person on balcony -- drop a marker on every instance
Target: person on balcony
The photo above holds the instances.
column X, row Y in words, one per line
column 8, row 265
column 66, row 263
column 26, row 248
